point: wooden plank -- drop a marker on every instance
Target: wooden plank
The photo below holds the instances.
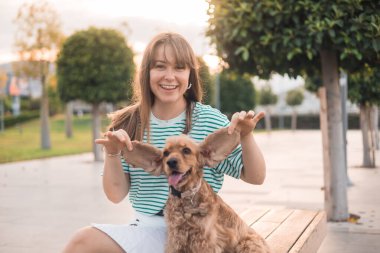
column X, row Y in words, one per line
column 265, row 228
column 270, row 221
column 286, row 235
column 312, row 237
column 277, row 215
column 252, row 215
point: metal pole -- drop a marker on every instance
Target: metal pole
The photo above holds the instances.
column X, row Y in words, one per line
column 217, row 91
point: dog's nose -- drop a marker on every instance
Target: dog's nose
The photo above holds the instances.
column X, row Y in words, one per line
column 172, row 163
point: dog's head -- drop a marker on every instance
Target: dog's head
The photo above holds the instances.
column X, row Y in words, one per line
column 182, row 159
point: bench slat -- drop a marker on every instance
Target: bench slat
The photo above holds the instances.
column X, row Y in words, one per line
column 285, row 236
column 270, row 221
column 289, row 230
column 264, row 228
column 313, row 236
column 250, row 216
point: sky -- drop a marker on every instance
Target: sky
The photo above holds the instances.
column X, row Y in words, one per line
column 145, row 18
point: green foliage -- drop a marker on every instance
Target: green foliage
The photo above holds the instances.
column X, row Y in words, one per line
column 21, row 142
column 266, row 96
column 237, row 92
column 207, row 82
column 286, row 36
column 313, row 83
column 364, row 86
column 10, row 120
column 95, row 65
column 294, row 97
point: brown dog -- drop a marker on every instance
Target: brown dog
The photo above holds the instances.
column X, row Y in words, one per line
column 198, row 219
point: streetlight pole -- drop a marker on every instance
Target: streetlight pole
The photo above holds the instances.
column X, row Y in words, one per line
column 217, row 90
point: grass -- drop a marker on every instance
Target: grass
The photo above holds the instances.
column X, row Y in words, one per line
column 23, row 142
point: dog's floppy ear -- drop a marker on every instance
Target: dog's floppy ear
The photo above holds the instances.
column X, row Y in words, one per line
column 144, row 156
column 218, row 145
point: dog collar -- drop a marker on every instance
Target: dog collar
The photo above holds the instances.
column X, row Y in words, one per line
column 187, row 193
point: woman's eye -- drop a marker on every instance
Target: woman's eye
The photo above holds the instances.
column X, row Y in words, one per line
column 166, row 153
column 186, row 151
column 180, row 67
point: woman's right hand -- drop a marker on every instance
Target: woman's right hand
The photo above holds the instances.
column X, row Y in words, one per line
column 115, row 141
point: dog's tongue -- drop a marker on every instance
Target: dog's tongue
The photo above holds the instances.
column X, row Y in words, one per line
column 174, row 179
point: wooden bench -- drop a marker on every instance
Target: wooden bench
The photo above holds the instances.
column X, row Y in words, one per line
column 288, row 230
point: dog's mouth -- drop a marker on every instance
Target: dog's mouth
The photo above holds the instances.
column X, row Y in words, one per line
column 177, row 177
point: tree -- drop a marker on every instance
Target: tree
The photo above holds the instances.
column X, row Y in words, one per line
column 364, row 90
column 266, row 99
column 294, row 98
column 37, row 40
column 298, row 37
column 237, row 92
column 95, row 65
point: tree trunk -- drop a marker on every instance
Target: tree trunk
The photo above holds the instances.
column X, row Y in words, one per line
column 44, row 115
column 366, row 126
column 336, row 202
column 69, row 120
column 294, row 119
column 96, row 128
column 376, row 126
column 268, row 124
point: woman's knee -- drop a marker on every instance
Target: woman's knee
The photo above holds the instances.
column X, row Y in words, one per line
column 91, row 240
column 81, row 241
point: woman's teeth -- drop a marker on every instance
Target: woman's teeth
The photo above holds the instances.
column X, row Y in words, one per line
column 168, row 87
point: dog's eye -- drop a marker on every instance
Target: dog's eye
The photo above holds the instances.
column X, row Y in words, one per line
column 186, row 151
column 166, row 153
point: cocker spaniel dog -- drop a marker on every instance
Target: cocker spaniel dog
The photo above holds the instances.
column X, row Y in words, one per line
column 198, row 219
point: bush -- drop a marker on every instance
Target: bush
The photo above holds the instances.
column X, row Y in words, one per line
column 10, row 120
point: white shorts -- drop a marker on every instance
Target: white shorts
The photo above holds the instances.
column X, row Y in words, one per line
column 144, row 234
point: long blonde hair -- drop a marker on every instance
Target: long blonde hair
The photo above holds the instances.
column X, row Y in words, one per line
column 134, row 119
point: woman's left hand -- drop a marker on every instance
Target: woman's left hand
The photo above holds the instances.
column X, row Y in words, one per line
column 244, row 122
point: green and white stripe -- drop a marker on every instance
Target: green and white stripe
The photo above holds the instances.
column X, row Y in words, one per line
column 148, row 194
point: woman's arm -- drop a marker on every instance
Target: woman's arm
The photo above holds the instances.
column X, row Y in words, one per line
column 116, row 182
column 254, row 169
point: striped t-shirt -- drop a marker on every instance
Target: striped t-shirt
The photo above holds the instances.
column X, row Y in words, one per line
column 148, row 194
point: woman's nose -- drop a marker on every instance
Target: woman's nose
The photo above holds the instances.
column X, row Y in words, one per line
column 169, row 74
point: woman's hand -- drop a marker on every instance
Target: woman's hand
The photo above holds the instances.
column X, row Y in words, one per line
column 115, row 141
column 244, row 122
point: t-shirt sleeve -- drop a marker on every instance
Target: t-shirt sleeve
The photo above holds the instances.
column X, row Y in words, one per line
column 233, row 164
column 125, row 165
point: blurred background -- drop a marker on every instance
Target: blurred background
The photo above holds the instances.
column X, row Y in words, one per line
column 310, row 65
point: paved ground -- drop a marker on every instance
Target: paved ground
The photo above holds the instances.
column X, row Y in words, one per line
column 42, row 202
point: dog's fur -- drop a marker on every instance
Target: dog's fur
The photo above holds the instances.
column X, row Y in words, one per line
column 198, row 220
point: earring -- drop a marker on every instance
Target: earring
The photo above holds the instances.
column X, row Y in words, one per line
column 188, row 87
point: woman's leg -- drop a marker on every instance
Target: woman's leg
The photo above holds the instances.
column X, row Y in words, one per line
column 92, row 240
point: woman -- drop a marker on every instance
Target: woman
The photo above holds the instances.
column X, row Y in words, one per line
column 167, row 102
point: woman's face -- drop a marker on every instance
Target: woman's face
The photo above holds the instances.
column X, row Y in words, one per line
column 168, row 81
